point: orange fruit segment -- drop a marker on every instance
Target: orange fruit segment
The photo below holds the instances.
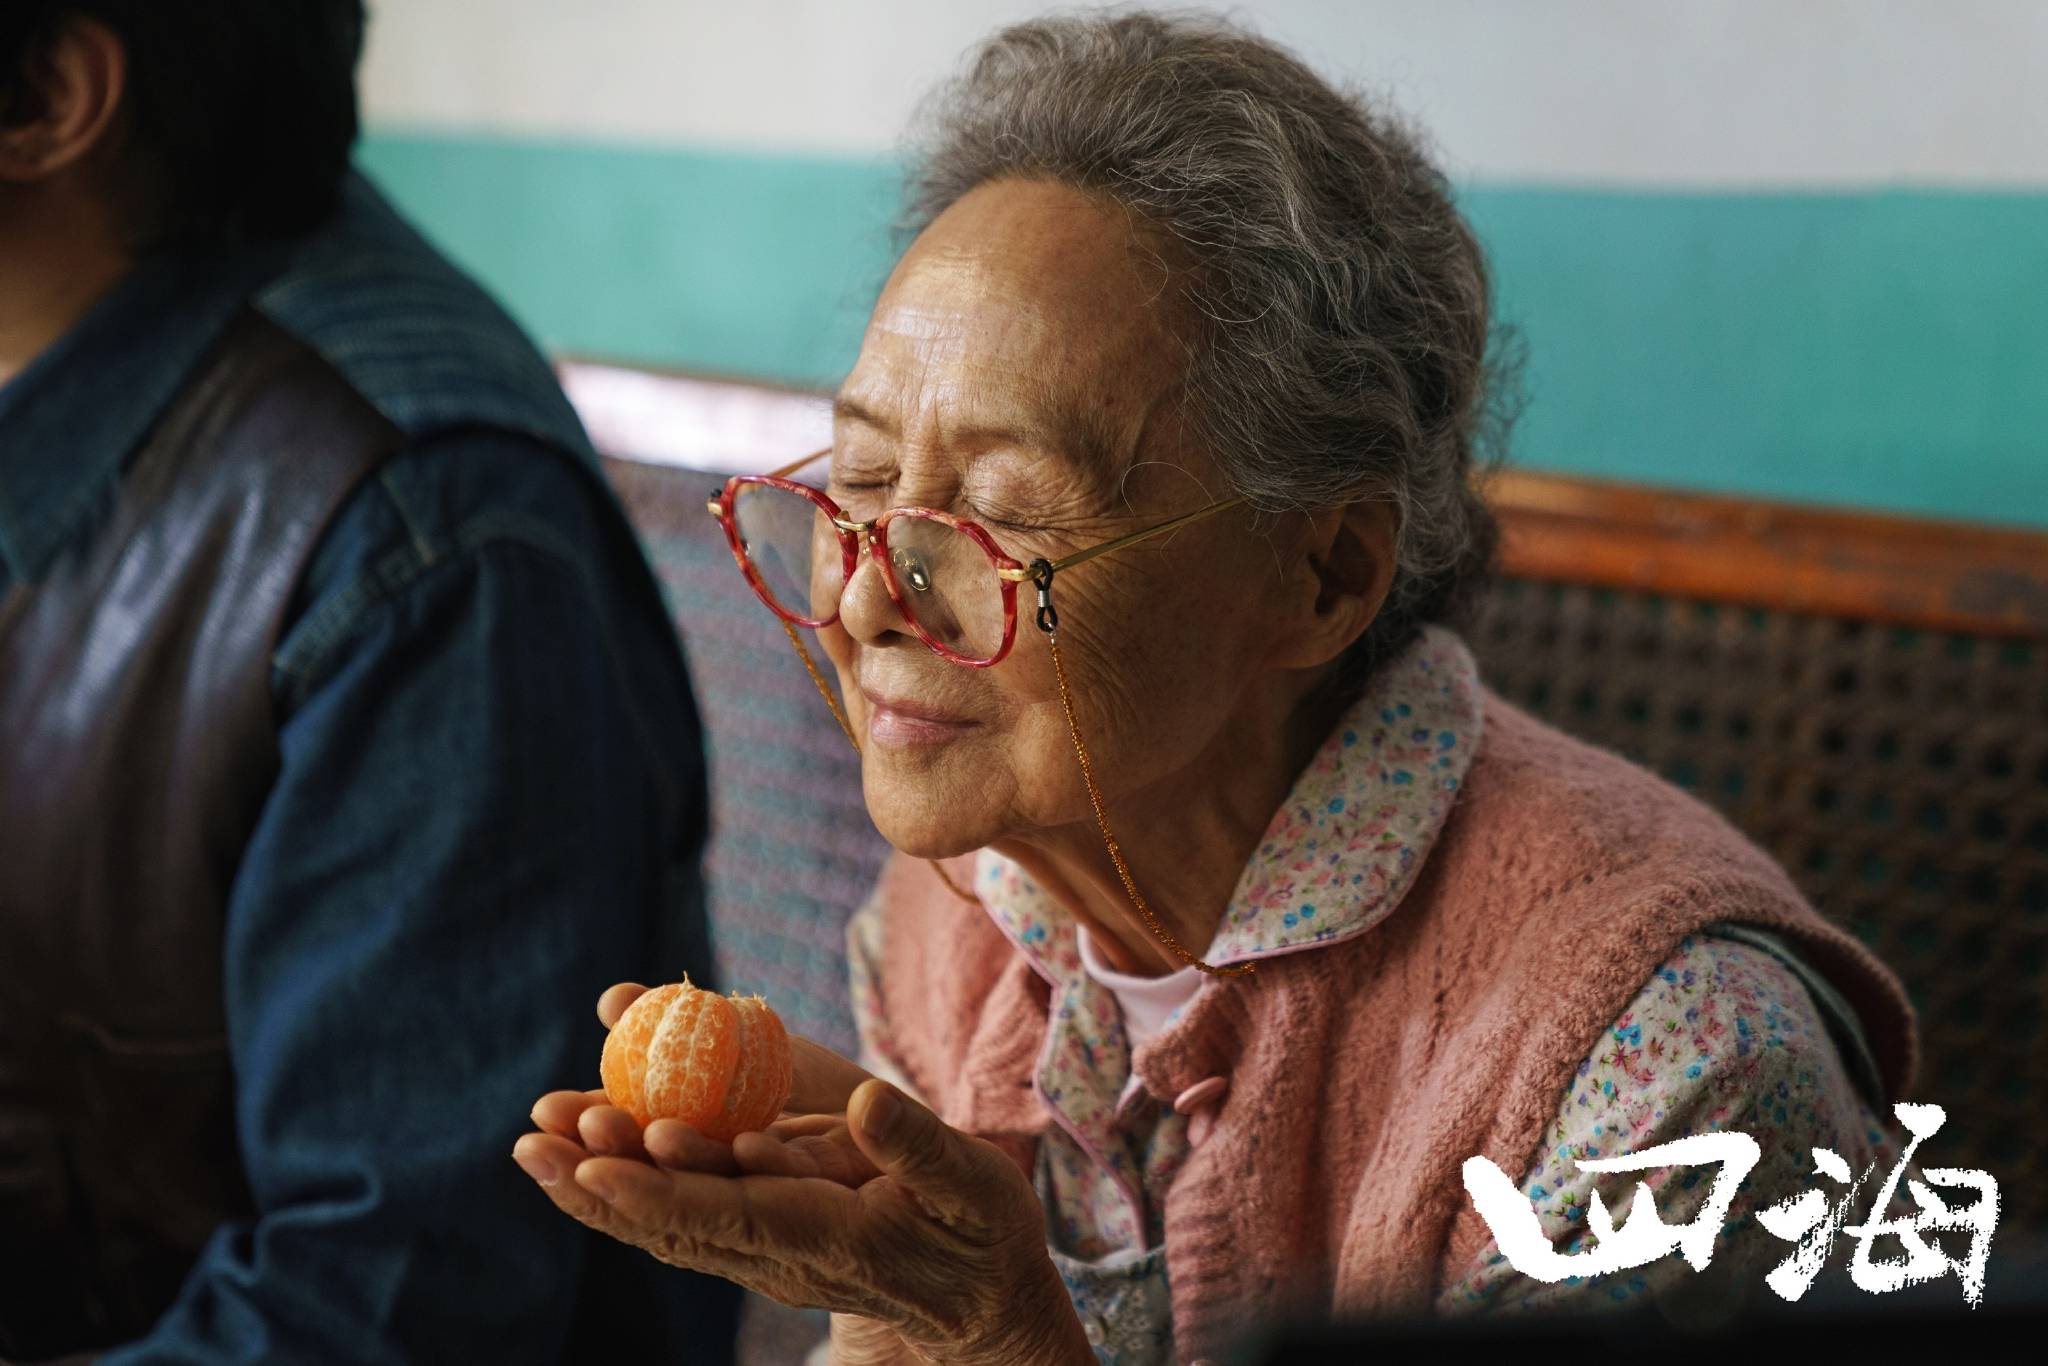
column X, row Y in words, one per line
column 720, row 1064
column 624, row 1064
column 760, row 1081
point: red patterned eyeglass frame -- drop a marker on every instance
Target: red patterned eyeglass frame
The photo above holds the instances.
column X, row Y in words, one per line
column 875, row 533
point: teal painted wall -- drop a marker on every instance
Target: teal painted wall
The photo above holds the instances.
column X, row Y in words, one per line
column 1885, row 350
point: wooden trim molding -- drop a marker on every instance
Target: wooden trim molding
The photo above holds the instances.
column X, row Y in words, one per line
column 1895, row 570
column 1904, row 571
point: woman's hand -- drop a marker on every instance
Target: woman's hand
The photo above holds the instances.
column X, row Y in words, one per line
column 946, row 1245
column 879, row 1210
column 795, row 1145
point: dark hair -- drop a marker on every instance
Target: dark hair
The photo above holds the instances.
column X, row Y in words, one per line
column 1346, row 348
column 240, row 114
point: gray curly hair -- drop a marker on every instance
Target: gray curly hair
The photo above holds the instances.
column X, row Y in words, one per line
column 1344, row 349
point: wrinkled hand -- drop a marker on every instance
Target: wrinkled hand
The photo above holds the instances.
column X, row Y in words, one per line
column 859, row 1200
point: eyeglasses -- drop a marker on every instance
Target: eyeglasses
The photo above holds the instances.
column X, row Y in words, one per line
column 799, row 550
column 956, row 588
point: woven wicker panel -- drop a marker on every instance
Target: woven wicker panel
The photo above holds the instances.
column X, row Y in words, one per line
column 1901, row 776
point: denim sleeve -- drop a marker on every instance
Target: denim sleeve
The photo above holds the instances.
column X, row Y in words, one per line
column 490, row 807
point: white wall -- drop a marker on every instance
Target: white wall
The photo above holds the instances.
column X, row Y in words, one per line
column 1721, row 93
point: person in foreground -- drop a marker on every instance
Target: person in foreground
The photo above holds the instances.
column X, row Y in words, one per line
column 345, row 748
column 1232, row 912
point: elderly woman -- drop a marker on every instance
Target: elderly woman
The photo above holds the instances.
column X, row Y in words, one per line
column 1232, row 912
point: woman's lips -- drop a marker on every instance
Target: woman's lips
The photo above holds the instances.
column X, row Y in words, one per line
column 902, row 721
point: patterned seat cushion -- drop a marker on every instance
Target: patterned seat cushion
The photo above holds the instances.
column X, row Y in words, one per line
column 792, row 850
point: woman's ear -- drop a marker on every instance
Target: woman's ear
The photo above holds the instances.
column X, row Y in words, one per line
column 58, row 108
column 1339, row 584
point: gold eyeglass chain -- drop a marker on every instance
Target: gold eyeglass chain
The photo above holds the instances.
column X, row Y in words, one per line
column 1049, row 621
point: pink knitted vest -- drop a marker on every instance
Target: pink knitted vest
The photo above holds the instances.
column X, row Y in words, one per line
column 1363, row 1073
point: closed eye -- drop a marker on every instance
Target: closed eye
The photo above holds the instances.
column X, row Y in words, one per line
column 989, row 520
column 860, row 497
column 865, row 490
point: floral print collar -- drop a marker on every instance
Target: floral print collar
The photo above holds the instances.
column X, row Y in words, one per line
column 1344, row 846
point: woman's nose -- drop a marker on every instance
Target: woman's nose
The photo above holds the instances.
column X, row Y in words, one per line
column 865, row 609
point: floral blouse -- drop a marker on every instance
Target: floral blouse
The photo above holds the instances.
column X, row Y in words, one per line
column 1731, row 1031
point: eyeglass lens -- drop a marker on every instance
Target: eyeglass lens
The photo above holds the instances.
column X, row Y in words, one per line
column 792, row 546
column 945, row 579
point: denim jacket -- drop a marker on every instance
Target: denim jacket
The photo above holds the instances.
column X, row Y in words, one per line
column 491, row 805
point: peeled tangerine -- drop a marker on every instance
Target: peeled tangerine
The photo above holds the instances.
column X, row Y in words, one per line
column 718, row 1063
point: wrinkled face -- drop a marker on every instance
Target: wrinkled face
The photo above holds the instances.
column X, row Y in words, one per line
column 1019, row 371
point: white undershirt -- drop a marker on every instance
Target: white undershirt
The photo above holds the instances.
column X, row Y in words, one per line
column 1146, row 1002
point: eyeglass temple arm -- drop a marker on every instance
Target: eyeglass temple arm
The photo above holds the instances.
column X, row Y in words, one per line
column 1024, row 574
column 795, row 465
